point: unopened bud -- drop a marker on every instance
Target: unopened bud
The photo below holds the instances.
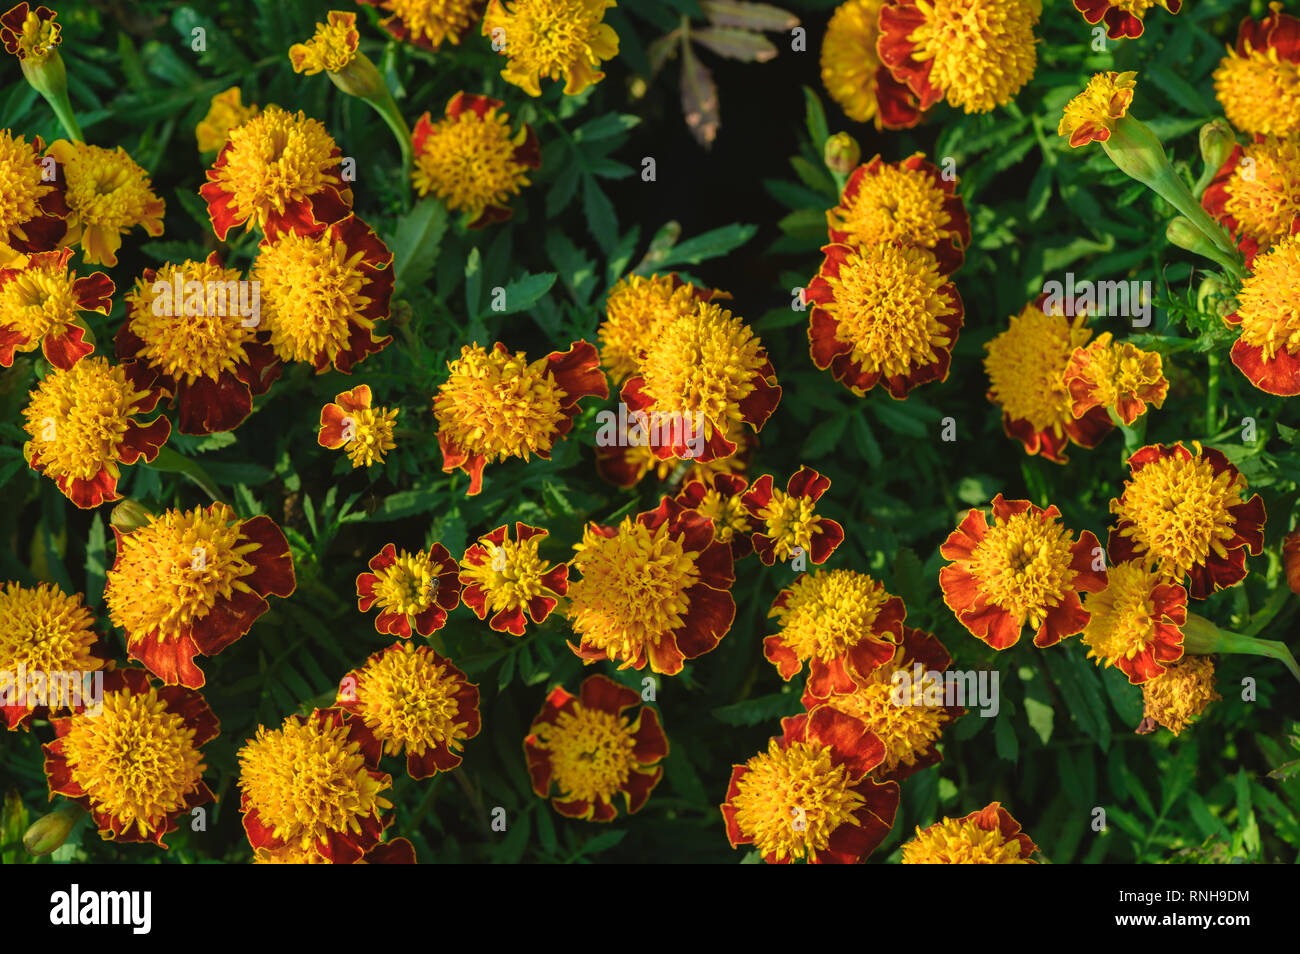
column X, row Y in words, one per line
column 1217, row 143
column 49, row 832
column 842, row 154
column 130, row 515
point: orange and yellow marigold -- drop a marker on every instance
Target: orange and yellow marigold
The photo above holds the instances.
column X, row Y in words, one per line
column 39, row 306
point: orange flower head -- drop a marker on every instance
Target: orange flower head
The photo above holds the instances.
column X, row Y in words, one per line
column 589, row 748
column 788, row 520
column 1267, row 351
column 505, row 578
column 82, row 429
column 30, row 33
column 33, row 205
column 1256, row 194
column 1091, row 115
column 552, row 39
column 331, row 48
column 1136, row 622
column 137, row 764
column 882, row 314
column 989, row 836
column 841, row 623
column 352, row 422
column 415, row 702
column 1258, row 82
column 654, row 590
column 108, row 195
column 1178, row 695
column 1123, row 17
column 720, row 498
column 810, row 796
column 413, row 591
column 1184, row 512
column 635, row 309
column 1121, row 377
column 853, row 74
column 427, row 23
column 1024, row 569
column 40, row 304
column 225, row 112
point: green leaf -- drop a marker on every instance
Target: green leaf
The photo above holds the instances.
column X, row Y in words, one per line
column 760, row 709
column 415, row 243
column 599, row 211
column 711, row 244
column 521, row 294
column 1041, row 718
column 815, row 119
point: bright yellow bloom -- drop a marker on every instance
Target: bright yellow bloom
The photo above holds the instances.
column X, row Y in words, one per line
column 427, row 23
column 1136, row 622
column 1263, row 191
column 332, row 48
column 225, row 113
column 1178, row 696
column 635, row 308
column 351, row 422
column 904, row 203
column 850, row 65
column 505, row 578
column 1023, row 565
column 1267, row 308
column 1092, row 114
column 590, row 751
column 1259, row 88
column 988, row 837
column 982, row 51
column 108, row 195
column 1120, row 376
column 45, row 631
column 25, row 195
column 555, row 39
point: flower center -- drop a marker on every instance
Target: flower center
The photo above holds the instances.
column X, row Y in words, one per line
column 552, row 34
column 78, row 418
column 958, row 841
column 983, row 50
column 790, row 522
column 45, row 630
column 409, row 701
column 511, row 574
column 21, row 172
column 470, row 162
column 107, row 189
column 1264, row 190
column 591, row 753
column 311, row 295
column 37, row 300
column 435, row 19
column 409, row 585
column 1122, row 622
column 275, row 158
column 894, row 205
column 1026, row 366
column 727, row 513
column 1023, row 565
column 372, row 430
column 1269, row 301
column 1260, row 92
column 827, row 614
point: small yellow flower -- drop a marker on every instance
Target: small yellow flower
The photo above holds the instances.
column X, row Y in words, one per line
column 353, row 423
column 32, row 208
column 108, row 195
column 332, row 48
column 853, row 74
column 30, row 33
column 1091, row 115
column 635, row 308
column 1258, row 82
column 555, row 39
column 225, row 113
column 505, row 578
column 1136, row 622
column 987, row 837
column 1121, row 377
column 427, row 23
column 1179, row 695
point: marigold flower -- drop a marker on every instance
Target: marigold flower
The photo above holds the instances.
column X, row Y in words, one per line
column 1120, row 376
column 708, row 370
column 975, row 53
column 853, row 74
column 1258, row 82
column 225, row 112
column 989, row 836
column 136, row 765
column 654, row 590
column 1178, row 695
column 555, row 39
column 332, row 47
column 107, row 195
column 194, row 582
column 505, row 577
column 810, row 796
column 322, row 292
column 33, row 211
column 414, row 592
column 1184, row 512
column 45, row 631
column 427, row 23
column 626, row 466
column 1026, row 365
column 904, row 203
column 193, row 343
column 635, row 308
column 315, row 784
column 39, row 305
column 1123, row 17
column 789, row 521
column 882, row 312
column 1025, row 568
column 1091, row 115
column 904, row 716
column 352, row 422
column 1256, row 194
column 280, row 171
column 1267, row 351
column 719, row 498
column 496, row 405
column 1136, row 622
column 415, row 702
column 841, row 623
column 30, row 33
column 82, row 428
column 395, row 851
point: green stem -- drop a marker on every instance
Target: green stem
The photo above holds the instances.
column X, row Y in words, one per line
column 387, row 109
column 1202, row 637
column 1212, row 393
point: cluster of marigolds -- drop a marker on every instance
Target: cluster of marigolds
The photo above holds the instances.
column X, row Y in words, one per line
column 655, row 590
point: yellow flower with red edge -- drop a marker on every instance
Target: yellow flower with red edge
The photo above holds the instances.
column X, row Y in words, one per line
column 82, row 428
column 507, row 578
column 1123, row 17
column 841, row 623
column 1178, row 695
column 314, row 784
column 415, row 702
column 1256, row 194
column 225, row 112
column 137, row 764
column 427, row 23
column 107, row 195
column 900, row 709
column 39, row 306
column 278, row 171
column 33, row 207
column 976, row 54
column 720, row 498
column 323, row 291
column 786, row 521
column 46, row 631
column 1185, row 513
column 1023, row 569
column 1267, row 350
column 496, row 405
column 589, row 749
column 1116, row 377
column 191, row 583
column 655, row 590
column 810, row 796
column 1258, row 82
column 551, row 39
column 30, row 33
column 414, row 592
column 1091, row 116
column 635, row 308
column 353, row 422
column 332, row 47
column 853, row 74
column 989, row 836
column 882, row 314
column 471, row 160
column 1136, row 622
column 186, row 334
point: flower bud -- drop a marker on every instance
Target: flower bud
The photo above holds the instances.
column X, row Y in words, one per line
column 842, row 154
column 1217, row 143
column 49, row 832
column 130, row 515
